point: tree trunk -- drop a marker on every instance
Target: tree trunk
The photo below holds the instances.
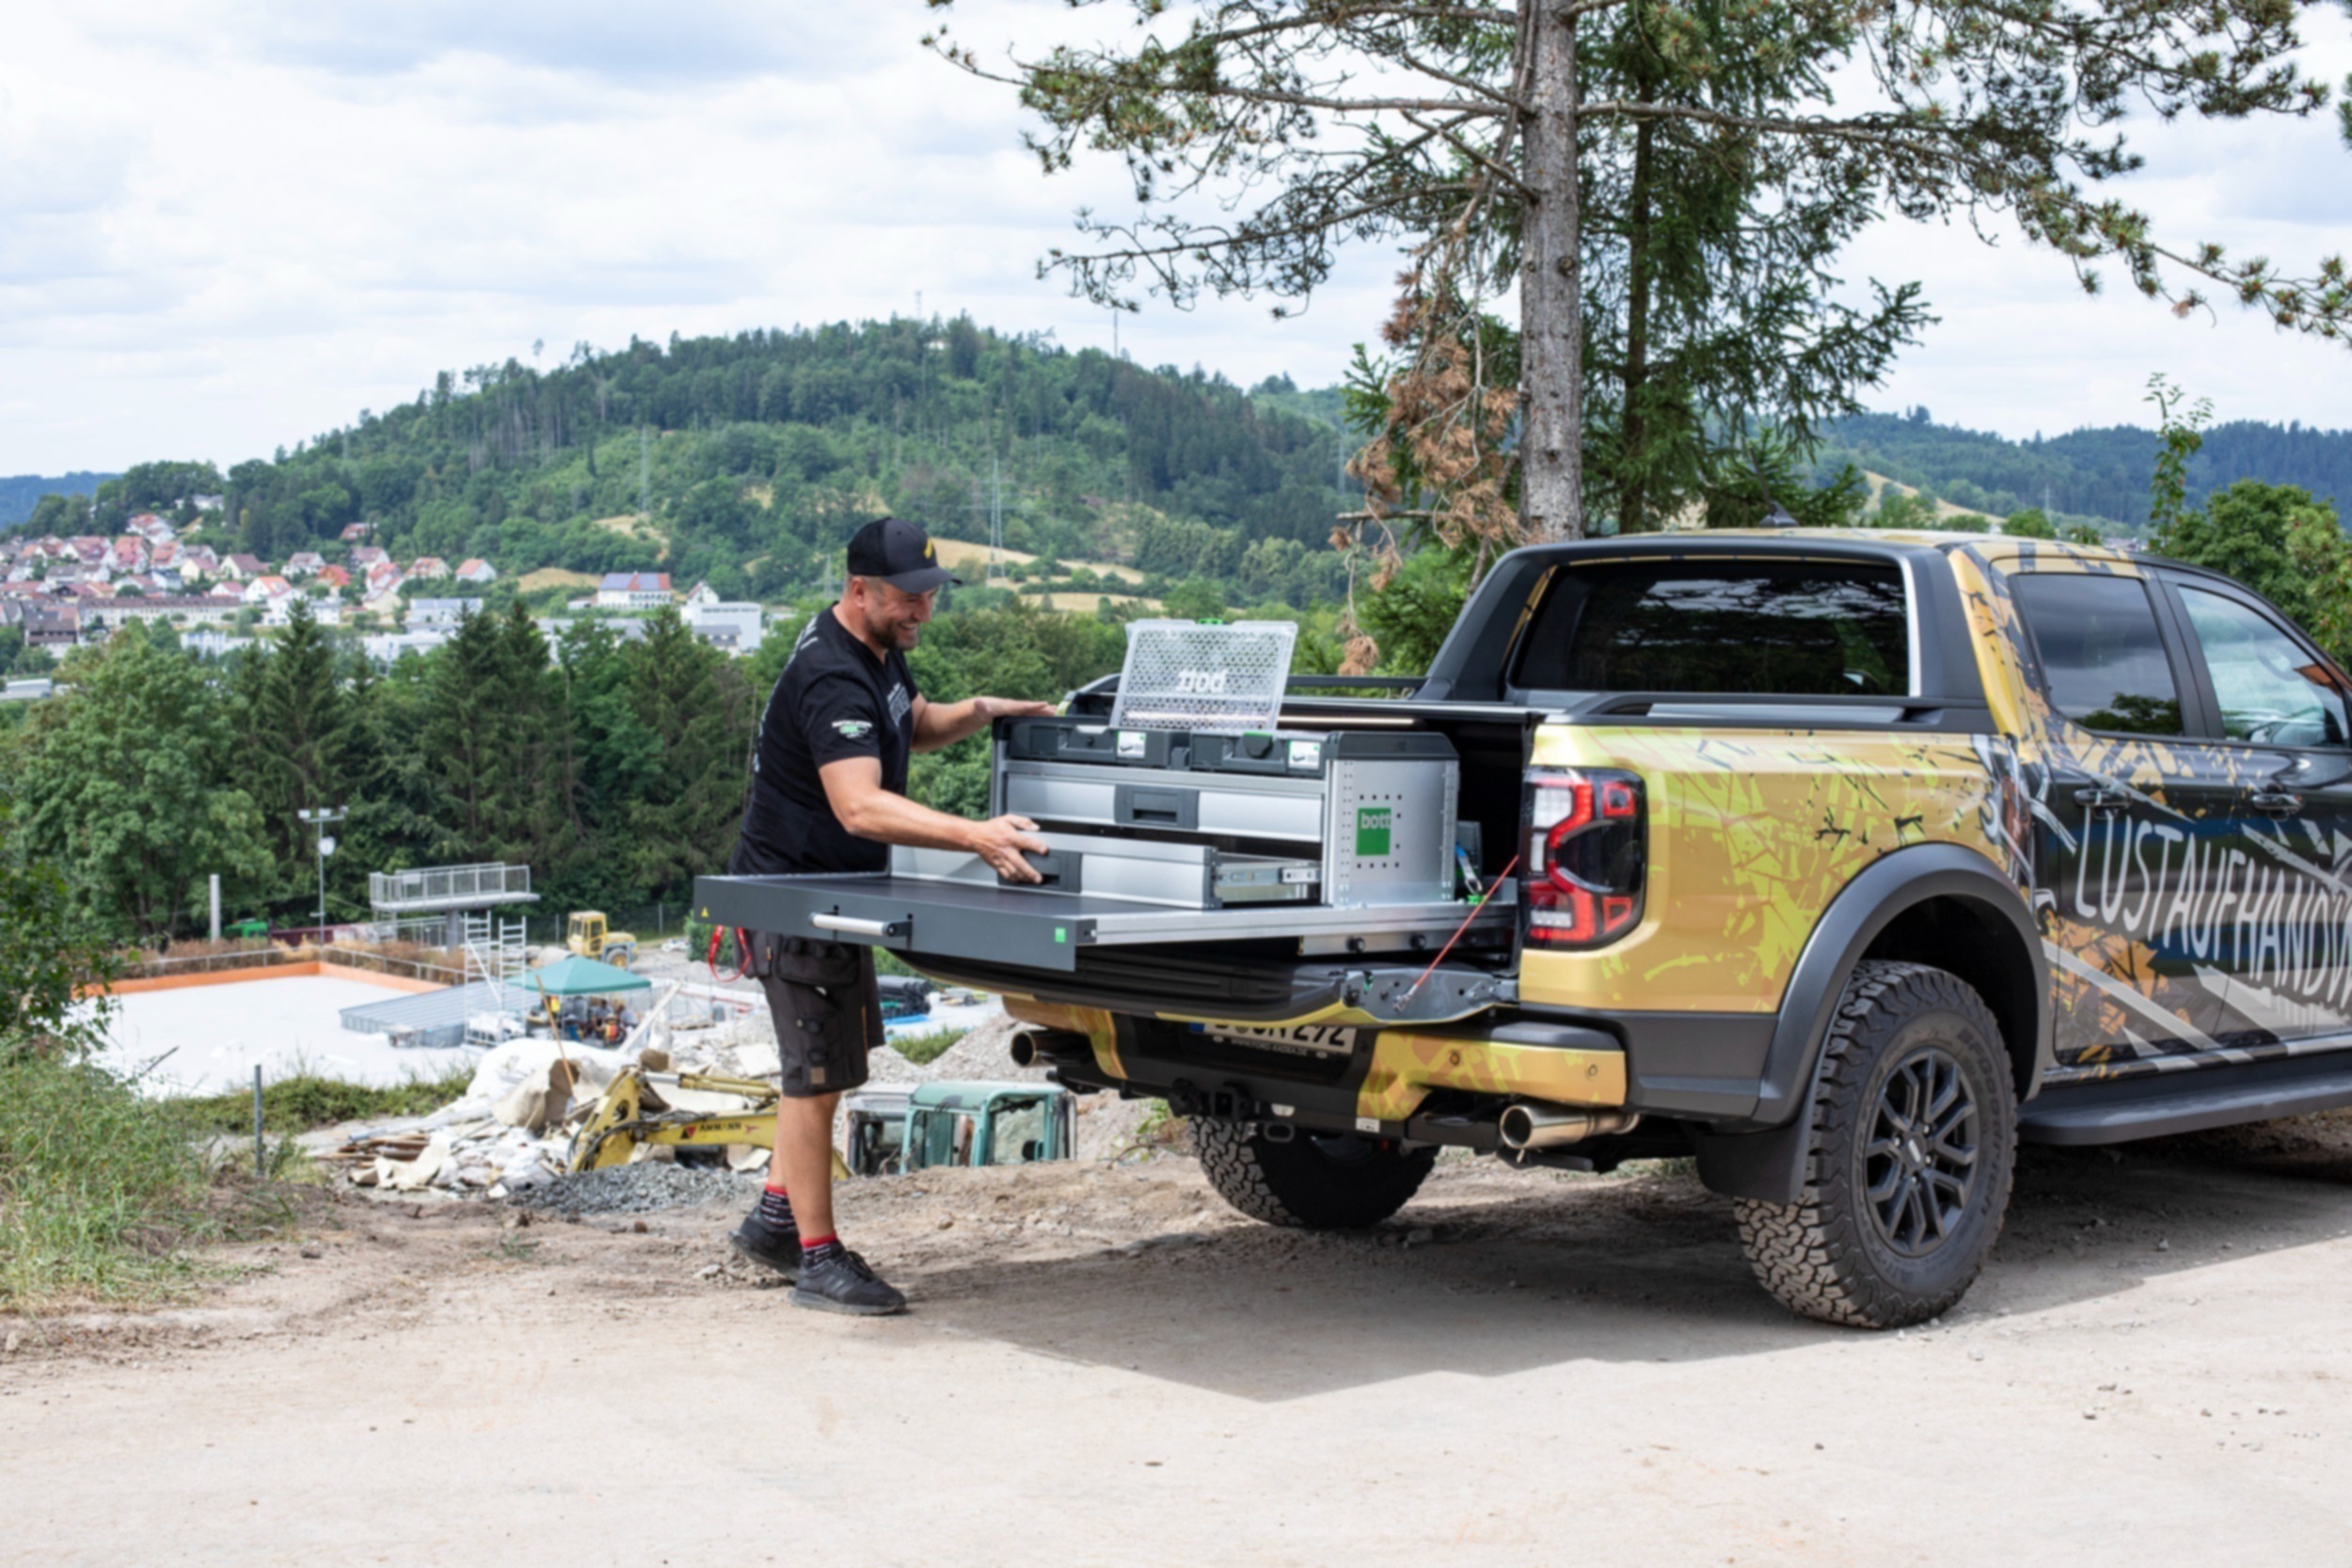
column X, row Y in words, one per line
column 1552, row 475
column 1633, row 484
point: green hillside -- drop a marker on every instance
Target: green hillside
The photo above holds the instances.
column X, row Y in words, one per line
column 2089, row 475
column 748, row 460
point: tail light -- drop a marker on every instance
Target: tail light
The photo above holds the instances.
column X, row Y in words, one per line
column 1587, row 844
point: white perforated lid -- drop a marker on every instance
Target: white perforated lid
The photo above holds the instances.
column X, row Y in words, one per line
column 1203, row 675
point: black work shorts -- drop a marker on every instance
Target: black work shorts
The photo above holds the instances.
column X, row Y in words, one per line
column 827, row 1009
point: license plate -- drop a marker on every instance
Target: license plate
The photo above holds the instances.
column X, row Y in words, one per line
column 1305, row 1039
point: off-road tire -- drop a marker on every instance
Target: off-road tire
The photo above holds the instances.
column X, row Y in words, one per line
column 1310, row 1182
column 1835, row 1254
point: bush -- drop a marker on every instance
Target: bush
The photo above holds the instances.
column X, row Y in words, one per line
column 923, row 1049
column 305, row 1102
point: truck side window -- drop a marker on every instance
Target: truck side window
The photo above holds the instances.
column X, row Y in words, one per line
column 1783, row 628
column 2271, row 688
column 2102, row 659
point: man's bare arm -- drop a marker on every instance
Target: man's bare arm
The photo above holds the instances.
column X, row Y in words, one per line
column 854, row 789
column 938, row 724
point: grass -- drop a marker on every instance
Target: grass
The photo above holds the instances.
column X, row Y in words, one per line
column 102, row 1194
column 305, row 1102
column 923, row 1049
column 551, row 577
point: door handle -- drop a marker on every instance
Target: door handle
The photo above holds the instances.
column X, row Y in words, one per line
column 2102, row 801
column 2275, row 802
column 850, row 926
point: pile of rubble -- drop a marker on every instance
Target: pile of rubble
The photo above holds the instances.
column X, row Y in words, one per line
column 512, row 1130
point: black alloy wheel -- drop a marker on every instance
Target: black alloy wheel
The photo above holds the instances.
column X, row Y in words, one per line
column 1920, row 1161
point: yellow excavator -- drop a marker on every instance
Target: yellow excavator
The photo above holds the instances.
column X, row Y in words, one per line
column 588, row 938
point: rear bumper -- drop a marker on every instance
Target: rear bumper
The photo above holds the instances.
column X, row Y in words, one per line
column 1442, row 1084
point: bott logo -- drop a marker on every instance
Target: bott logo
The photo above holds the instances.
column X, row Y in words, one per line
column 1202, row 682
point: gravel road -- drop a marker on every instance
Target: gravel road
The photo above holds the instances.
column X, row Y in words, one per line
column 1107, row 1367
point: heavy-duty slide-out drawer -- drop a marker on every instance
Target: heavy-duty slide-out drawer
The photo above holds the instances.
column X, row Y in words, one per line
column 1032, row 927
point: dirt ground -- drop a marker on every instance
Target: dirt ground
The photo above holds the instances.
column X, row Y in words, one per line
column 1105, row 1365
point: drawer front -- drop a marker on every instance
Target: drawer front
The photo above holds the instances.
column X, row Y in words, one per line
column 1168, row 806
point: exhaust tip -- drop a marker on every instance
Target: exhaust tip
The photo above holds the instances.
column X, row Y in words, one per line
column 1527, row 1125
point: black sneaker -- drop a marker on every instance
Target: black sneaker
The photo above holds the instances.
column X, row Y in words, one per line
column 843, row 1283
column 762, row 1243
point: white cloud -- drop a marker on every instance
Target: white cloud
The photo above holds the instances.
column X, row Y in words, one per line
column 226, row 225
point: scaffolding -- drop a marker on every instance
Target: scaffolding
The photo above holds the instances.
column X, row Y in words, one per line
column 497, row 956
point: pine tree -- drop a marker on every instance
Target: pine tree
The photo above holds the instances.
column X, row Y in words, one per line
column 297, row 726
column 695, row 703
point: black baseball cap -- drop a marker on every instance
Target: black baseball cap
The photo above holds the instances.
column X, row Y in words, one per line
column 900, row 554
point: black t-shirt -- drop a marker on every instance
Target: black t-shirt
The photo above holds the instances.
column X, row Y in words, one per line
column 833, row 701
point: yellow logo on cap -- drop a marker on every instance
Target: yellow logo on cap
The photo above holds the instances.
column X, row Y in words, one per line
column 929, row 550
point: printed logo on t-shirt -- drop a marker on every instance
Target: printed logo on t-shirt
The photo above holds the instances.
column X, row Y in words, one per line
column 901, row 705
column 853, row 729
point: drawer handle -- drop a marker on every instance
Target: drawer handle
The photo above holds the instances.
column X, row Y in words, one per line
column 850, row 926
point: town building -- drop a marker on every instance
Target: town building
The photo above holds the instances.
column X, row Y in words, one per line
column 389, row 648
column 477, row 570
column 428, row 568
column 102, row 616
column 58, row 627
column 634, row 591
column 305, row 564
column 735, row 627
column 439, row 612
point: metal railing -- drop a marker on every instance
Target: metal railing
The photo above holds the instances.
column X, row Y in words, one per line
column 446, row 884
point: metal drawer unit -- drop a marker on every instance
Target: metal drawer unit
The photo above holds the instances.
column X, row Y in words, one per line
column 1141, row 871
column 1371, row 811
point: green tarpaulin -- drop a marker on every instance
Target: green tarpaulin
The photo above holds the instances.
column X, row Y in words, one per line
column 579, row 976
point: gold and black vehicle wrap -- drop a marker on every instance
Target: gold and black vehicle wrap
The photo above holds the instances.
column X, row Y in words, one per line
column 1698, row 789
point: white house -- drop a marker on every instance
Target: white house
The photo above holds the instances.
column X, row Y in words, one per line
column 735, row 627
column 423, row 614
column 428, row 568
column 387, row 649
column 267, row 589
column 477, row 570
column 305, row 564
column 634, row 591
column 327, row 613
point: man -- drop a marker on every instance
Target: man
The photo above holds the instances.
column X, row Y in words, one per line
column 829, row 779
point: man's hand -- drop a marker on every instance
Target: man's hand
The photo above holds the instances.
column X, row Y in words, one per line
column 1002, row 842
column 1009, row 707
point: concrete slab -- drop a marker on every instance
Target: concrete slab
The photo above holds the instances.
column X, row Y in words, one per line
column 210, row 1038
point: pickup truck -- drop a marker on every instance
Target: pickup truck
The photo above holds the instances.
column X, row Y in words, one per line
column 1841, row 861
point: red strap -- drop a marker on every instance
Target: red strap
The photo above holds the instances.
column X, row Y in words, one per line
column 743, row 953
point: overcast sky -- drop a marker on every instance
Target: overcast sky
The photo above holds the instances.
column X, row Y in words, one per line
column 230, row 223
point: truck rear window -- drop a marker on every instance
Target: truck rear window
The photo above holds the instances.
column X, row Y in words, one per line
column 1801, row 628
